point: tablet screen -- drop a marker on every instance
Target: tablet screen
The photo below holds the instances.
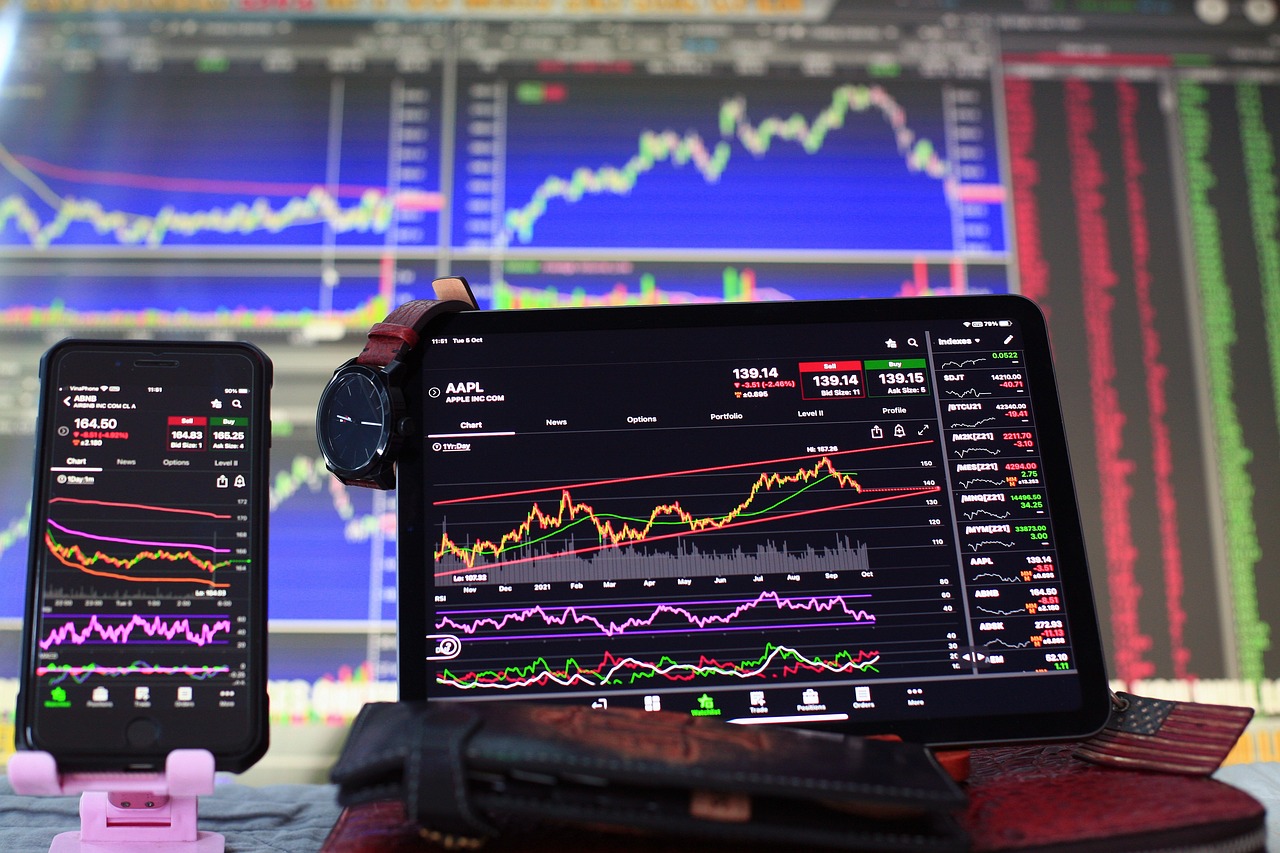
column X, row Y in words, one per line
column 847, row 514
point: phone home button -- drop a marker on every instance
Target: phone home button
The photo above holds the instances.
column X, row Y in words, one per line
column 142, row 732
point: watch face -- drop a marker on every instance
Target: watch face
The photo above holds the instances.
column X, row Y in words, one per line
column 354, row 421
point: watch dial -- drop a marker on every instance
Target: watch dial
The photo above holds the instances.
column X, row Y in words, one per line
column 353, row 422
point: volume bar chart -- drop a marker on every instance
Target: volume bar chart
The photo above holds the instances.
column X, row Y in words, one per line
column 535, row 283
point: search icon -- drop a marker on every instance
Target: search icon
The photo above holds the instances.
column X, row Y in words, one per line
column 911, row 342
column 236, row 404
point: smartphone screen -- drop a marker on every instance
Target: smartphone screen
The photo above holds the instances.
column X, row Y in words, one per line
column 146, row 605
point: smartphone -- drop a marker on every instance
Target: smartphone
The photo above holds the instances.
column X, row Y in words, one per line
column 145, row 626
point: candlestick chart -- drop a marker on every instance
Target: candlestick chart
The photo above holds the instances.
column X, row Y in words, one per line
column 562, row 530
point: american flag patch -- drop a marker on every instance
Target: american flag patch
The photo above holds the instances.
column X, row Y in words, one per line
column 1170, row 737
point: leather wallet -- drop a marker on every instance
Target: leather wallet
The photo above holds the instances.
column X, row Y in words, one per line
column 476, row 770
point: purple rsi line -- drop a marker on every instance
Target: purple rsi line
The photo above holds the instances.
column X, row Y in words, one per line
column 53, row 523
column 154, row 627
column 572, row 615
column 506, row 638
column 633, row 605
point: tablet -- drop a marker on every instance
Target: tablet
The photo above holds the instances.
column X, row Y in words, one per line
column 854, row 515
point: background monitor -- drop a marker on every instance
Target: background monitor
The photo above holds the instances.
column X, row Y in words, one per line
column 287, row 172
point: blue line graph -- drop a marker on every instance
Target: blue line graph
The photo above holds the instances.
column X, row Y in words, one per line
column 214, row 160
column 800, row 164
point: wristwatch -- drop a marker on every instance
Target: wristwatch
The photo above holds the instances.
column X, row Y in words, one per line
column 361, row 421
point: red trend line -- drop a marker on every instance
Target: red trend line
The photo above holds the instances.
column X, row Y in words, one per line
column 189, row 185
column 707, row 470
column 137, row 506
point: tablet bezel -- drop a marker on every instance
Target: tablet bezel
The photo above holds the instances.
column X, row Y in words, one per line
column 415, row 546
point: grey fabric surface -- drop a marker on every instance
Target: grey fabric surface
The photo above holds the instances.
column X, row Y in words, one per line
column 1262, row 780
column 296, row 818
column 274, row 818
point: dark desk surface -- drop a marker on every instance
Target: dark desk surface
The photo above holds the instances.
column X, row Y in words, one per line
column 297, row 818
column 1021, row 798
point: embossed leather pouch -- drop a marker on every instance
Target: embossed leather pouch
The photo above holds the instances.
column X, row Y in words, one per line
column 478, row 770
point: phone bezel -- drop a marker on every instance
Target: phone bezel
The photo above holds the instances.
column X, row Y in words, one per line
column 253, row 745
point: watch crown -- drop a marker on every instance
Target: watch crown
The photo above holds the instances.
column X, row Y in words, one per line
column 404, row 426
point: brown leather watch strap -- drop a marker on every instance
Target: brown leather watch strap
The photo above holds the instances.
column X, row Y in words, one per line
column 396, row 335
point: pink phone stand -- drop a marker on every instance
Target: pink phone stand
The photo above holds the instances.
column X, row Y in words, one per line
column 127, row 812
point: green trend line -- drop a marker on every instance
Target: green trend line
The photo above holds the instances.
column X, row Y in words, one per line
column 613, row 669
column 80, row 674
